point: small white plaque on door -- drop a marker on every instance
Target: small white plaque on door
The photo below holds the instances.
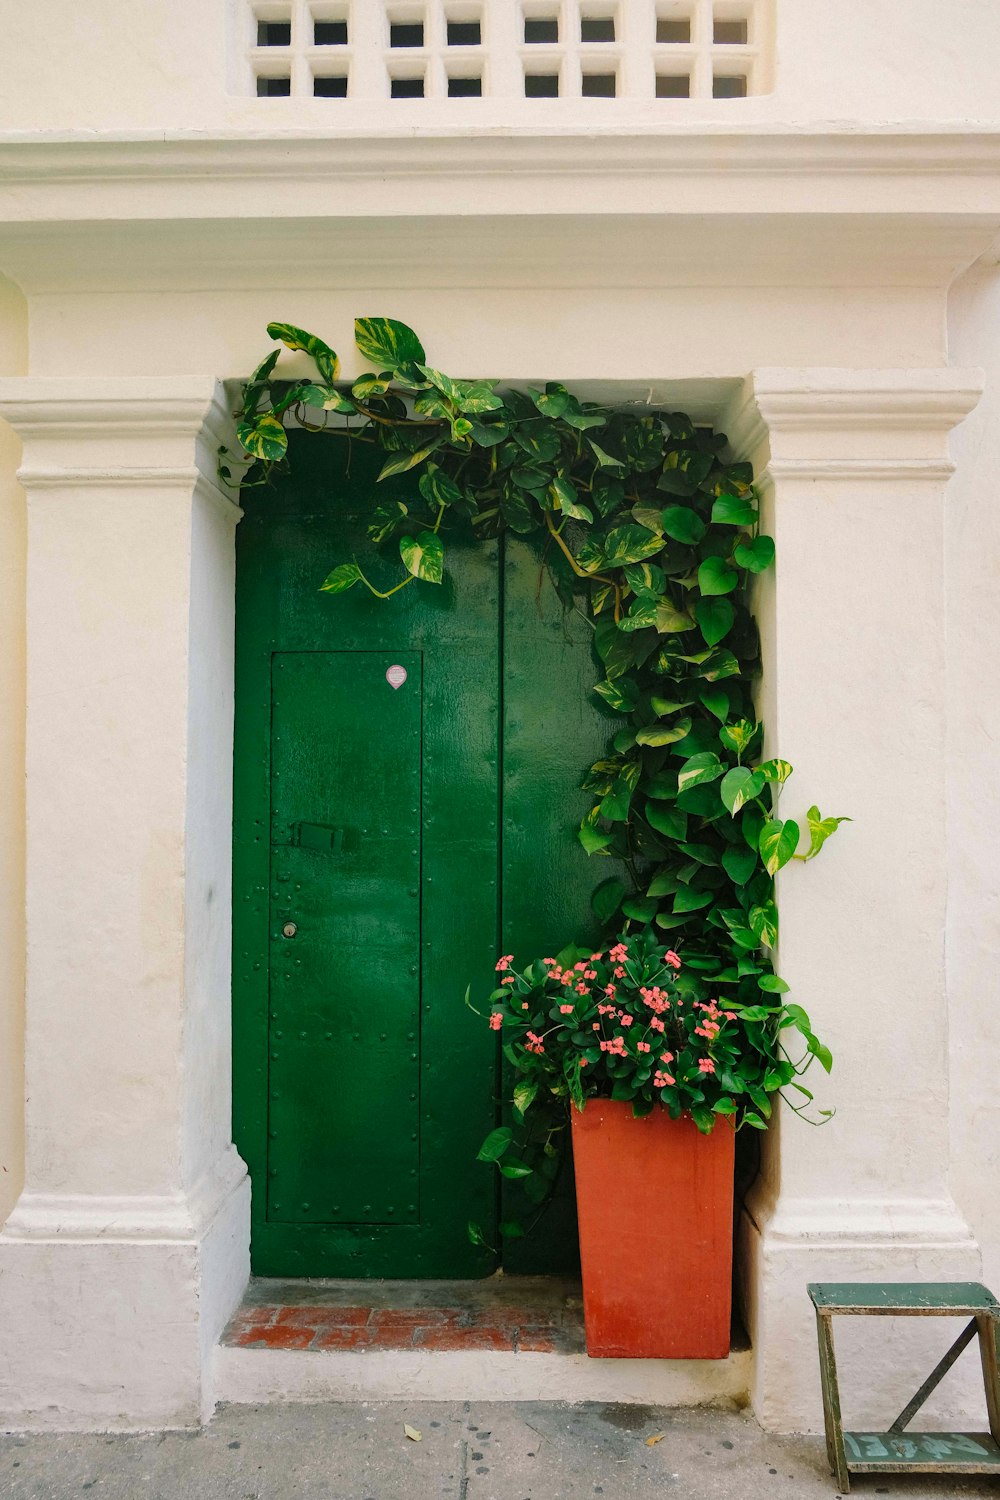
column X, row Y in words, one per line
column 396, row 676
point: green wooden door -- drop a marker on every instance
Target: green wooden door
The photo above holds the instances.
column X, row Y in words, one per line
column 374, row 826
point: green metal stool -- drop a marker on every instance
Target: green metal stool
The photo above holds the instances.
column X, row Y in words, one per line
column 897, row 1451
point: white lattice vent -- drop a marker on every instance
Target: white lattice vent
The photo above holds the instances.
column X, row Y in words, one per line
column 507, row 49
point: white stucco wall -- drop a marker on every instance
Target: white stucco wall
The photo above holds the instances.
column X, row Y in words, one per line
column 972, row 955
column 13, row 361
column 791, row 274
column 123, row 67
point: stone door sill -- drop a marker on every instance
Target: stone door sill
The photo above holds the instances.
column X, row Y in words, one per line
column 506, row 1338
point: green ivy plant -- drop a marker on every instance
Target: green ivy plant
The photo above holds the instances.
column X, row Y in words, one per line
column 645, row 523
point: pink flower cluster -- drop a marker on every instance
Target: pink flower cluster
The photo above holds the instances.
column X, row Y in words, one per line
column 496, row 1020
column 657, row 999
column 574, row 977
column 534, row 1044
column 710, row 1026
column 616, row 1047
column 661, row 1078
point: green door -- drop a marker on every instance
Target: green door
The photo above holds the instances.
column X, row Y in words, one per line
column 404, row 806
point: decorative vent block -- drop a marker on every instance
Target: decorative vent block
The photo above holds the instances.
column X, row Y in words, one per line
column 594, row 50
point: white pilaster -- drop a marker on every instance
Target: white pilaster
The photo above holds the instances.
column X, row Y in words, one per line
column 854, row 465
column 129, row 1243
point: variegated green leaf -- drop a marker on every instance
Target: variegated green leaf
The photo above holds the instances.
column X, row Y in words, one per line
column 388, row 343
column 264, row 437
column 423, row 556
column 323, row 356
column 777, row 843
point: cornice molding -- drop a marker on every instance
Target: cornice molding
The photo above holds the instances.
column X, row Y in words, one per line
column 120, row 433
column 939, row 176
column 851, row 424
column 33, row 157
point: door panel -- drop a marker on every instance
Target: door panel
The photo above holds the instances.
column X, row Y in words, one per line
column 374, row 1116
column 344, row 1072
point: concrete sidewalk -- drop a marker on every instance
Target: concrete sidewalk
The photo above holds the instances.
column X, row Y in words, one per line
column 467, row 1451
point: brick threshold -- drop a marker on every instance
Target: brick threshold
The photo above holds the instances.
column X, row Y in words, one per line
column 512, row 1314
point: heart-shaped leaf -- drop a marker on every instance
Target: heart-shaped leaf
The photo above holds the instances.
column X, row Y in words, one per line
column 341, row 579
column 716, row 577
column 715, row 619
column 733, row 510
column 777, row 843
column 683, row 524
column 698, row 769
column 756, row 555
column 423, row 556
column 739, row 786
column 386, row 343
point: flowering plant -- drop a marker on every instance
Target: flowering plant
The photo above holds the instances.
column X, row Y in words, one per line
column 631, row 1023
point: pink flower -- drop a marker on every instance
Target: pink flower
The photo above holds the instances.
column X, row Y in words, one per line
column 595, row 958
column 610, row 989
column 619, row 973
column 582, row 989
column 583, row 1062
column 644, row 1047
column 706, row 1065
column 660, row 1080
column 666, row 1057
column 550, row 962
column 508, row 979
column 524, row 1005
column 656, row 1024
column 596, row 1026
column 626, row 1018
column 671, row 958
column 566, row 978
column 534, row 1044
column 566, row 1010
column 496, row 1020
column 505, row 962
column 590, row 973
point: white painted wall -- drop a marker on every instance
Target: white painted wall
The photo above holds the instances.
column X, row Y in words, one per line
column 125, row 67
column 13, row 361
column 656, row 254
column 972, row 594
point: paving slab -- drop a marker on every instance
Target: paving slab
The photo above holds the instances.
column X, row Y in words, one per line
column 465, row 1451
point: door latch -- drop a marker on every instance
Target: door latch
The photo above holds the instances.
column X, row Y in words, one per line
column 289, row 930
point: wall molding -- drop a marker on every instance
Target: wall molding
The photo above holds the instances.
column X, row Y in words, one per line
column 861, row 425
column 94, row 1218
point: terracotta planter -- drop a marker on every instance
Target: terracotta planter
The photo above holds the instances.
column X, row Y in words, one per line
column 655, row 1203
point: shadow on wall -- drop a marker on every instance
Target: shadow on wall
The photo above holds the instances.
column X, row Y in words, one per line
column 13, row 361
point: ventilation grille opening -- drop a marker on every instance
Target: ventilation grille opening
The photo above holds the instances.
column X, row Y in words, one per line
column 582, row 51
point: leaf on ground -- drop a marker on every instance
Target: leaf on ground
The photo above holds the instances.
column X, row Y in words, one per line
column 412, row 1433
column 656, row 1438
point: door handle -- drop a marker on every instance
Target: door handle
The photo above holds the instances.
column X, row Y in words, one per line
column 319, row 836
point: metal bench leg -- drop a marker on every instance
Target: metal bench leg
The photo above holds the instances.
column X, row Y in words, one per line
column 832, row 1420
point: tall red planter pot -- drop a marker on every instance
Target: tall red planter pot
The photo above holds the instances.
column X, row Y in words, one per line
column 655, row 1204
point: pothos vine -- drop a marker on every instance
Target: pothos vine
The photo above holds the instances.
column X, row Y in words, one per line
column 649, row 527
